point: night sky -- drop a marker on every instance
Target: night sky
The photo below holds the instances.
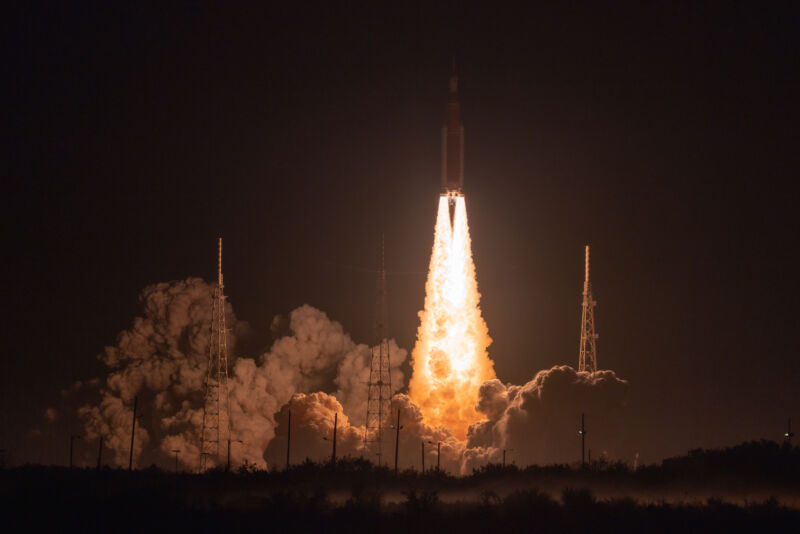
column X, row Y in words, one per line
column 663, row 136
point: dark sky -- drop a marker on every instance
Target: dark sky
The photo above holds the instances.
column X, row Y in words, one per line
column 665, row 136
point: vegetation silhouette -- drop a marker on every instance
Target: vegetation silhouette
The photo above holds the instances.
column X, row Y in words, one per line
column 354, row 495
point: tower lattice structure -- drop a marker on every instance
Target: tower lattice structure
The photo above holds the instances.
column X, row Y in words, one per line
column 216, row 406
column 587, row 359
column 379, row 395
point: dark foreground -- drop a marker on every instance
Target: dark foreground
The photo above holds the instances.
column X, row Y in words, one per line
column 750, row 488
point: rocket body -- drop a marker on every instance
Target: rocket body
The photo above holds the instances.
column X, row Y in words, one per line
column 453, row 143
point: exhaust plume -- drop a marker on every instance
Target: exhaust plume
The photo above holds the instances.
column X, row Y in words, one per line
column 450, row 361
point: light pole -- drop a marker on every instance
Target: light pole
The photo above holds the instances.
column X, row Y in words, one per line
column 100, row 454
column 288, row 439
column 133, row 433
column 228, row 468
column 504, row 455
column 422, row 445
column 176, row 451
column 397, row 428
column 71, row 439
column 438, row 454
column 333, row 452
column 582, row 434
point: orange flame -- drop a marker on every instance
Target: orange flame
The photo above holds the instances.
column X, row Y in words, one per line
column 450, row 361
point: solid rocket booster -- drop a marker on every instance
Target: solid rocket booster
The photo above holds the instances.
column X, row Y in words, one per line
column 453, row 143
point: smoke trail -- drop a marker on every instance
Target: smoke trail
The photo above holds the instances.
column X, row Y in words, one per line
column 450, row 361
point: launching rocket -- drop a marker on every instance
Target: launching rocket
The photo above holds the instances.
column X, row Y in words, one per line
column 453, row 143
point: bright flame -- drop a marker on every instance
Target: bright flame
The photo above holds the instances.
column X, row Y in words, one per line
column 450, row 361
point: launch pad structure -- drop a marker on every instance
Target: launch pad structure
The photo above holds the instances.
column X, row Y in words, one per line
column 379, row 387
column 587, row 358
column 216, row 399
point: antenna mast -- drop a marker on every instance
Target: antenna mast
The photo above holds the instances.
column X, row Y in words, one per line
column 216, row 406
column 379, row 393
column 587, row 359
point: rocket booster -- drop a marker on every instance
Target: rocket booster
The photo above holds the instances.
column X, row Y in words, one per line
column 453, row 143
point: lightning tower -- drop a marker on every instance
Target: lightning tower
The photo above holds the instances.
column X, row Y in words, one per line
column 587, row 359
column 379, row 395
column 216, row 407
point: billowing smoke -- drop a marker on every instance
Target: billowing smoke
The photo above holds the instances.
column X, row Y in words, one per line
column 312, row 430
column 539, row 421
column 316, row 370
column 162, row 359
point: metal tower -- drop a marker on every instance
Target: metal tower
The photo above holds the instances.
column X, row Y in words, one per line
column 379, row 394
column 216, row 407
column 587, row 360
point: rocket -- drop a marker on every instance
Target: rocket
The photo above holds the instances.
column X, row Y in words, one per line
column 453, row 143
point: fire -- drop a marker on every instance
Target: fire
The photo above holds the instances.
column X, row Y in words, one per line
column 450, row 361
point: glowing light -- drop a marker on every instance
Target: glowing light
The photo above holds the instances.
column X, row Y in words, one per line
column 450, row 361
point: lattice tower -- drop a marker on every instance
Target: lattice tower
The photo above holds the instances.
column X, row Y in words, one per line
column 216, row 407
column 379, row 394
column 587, row 359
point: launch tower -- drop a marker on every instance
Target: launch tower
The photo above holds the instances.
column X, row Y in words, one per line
column 587, row 359
column 379, row 395
column 216, row 407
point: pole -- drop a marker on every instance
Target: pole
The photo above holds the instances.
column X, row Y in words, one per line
column 396, row 441
column 335, row 422
column 289, row 439
column 228, row 468
column 176, row 451
column 422, row 446
column 71, row 439
column 438, row 456
column 583, row 442
column 133, row 432
column 504, row 457
column 100, row 454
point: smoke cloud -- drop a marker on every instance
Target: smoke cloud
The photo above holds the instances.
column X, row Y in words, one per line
column 540, row 419
column 162, row 360
column 312, row 431
column 316, row 370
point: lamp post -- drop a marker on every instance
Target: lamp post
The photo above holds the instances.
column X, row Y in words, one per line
column 228, row 468
column 133, row 433
column 72, row 438
column 333, row 452
column 582, row 434
column 288, row 439
column 396, row 428
column 504, row 455
column 438, row 454
column 335, row 423
column 176, row 451
column 100, row 454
